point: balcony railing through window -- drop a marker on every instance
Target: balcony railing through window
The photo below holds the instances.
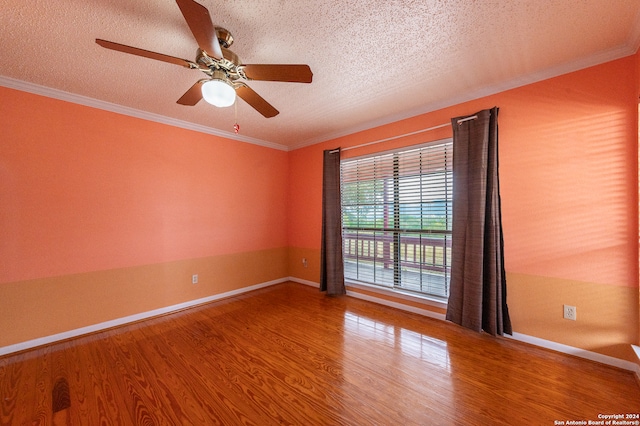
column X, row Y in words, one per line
column 418, row 263
column 396, row 210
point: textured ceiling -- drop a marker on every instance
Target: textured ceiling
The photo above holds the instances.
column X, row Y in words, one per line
column 373, row 61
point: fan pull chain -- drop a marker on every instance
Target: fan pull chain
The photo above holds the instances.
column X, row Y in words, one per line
column 236, row 127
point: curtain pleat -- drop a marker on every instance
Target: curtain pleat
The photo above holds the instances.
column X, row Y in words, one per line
column 331, row 261
column 478, row 289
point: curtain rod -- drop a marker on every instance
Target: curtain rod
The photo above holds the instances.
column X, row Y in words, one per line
column 462, row 120
column 439, row 126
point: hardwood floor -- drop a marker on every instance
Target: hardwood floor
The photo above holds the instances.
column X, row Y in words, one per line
column 289, row 355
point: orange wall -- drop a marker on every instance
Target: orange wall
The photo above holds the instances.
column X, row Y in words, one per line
column 568, row 168
column 105, row 215
column 88, row 194
column 84, row 190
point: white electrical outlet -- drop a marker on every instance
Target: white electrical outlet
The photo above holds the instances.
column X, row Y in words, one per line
column 194, row 279
column 570, row 312
column 304, row 262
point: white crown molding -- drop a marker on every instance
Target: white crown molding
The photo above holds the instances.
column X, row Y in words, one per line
column 48, row 92
column 634, row 37
column 593, row 60
column 630, row 48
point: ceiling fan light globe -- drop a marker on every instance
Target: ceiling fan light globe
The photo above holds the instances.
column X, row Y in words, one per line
column 218, row 93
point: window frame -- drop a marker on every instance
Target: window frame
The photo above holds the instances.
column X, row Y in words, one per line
column 395, row 230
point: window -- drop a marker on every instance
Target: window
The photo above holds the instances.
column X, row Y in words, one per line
column 396, row 219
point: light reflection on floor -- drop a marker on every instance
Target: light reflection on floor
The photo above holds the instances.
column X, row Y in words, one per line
column 409, row 342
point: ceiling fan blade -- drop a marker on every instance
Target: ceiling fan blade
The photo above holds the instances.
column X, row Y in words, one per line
column 288, row 72
column 193, row 95
column 256, row 101
column 200, row 24
column 146, row 53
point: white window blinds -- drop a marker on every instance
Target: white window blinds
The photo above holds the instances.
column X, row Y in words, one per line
column 396, row 218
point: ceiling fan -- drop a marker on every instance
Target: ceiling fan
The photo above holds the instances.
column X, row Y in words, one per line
column 225, row 72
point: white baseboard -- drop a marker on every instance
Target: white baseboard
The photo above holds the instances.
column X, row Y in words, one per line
column 402, row 306
column 636, row 349
column 425, row 312
column 558, row 347
column 582, row 353
column 305, row 282
column 129, row 319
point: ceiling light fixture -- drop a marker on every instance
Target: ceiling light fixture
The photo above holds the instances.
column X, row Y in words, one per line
column 218, row 91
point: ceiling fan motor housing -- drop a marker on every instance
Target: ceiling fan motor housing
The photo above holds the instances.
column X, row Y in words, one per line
column 224, row 37
column 228, row 63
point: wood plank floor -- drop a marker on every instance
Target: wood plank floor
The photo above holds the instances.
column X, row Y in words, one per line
column 289, row 355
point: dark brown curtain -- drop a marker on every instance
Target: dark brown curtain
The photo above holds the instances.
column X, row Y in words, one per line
column 331, row 264
column 478, row 297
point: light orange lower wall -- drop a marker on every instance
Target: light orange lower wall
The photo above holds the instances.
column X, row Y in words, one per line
column 47, row 306
column 606, row 315
column 296, row 268
column 103, row 216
